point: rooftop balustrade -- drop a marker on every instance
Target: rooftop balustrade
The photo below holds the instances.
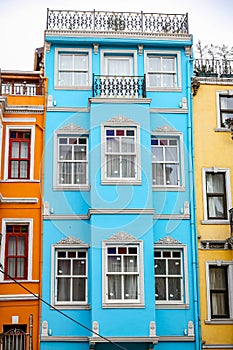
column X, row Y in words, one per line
column 213, row 68
column 121, row 22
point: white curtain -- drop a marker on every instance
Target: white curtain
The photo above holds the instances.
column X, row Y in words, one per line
column 16, row 247
column 218, row 287
column 215, row 184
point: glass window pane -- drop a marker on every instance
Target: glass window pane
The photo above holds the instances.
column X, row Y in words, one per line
column 79, row 289
column 20, row 267
column 160, row 288
column 66, row 61
column 130, row 264
column 81, row 62
column 15, row 150
column 63, row 289
column 216, row 207
column 80, row 152
column 80, row 79
column 12, row 245
column 158, row 177
column 128, row 166
column 21, row 245
column 160, row 267
column 215, row 183
column 174, row 267
column 63, row 267
column 154, row 64
column 130, row 287
column 128, row 144
column 79, row 267
column 23, row 169
column 113, row 166
column 114, row 264
column 65, row 78
column 171, row 174
column 24, row 150
column 80, row 173
column 174, row 288
column 114, row 287
column 65, row 173
column 171, row 154
column 168, row 64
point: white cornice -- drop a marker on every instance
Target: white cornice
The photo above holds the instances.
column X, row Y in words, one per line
column 149, row 339
column 63, row 339
column 120, row 100
column 25, row 109
column 12, row 297
column 17, row 200
column 171, row 216
column 68, row 109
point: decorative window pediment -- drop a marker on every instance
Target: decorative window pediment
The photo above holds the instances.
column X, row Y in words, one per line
column 72, row 128
column 168, row 240
column 122, row 237
column 70, row 241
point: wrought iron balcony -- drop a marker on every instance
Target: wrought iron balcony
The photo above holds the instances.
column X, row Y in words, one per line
column 120, row 22
column 213, row 67
column 119, row 87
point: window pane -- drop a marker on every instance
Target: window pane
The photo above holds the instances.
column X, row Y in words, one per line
column 158, row 178
column 12, row 245
column 128, row 144
column 79, row 289
column 128, row 166
column 63, row 289
column 113, row 166
column 215, row 183
column 80, row 79
column 23, row 169
column 171, row 154
column 160, row 267
column 66, row 61
column 131, row 287
column 171, row 174
column 114, row 264
column 174, row 267
column 63, row 267
column 79, row 267
column 24, row 150
column 79, row 152
column 168, row 64
column 15, row 150
column 114, row 287
column 160, row 287
column 21, row 245
column 20, row 267
column 216, row 207
column 154, row 64
column 65, row 173
column 112, row 145
column 81, row 62
column 65, row 78
column 174, row 289
column 130, row 264
column 80, row 173
column 65, row 152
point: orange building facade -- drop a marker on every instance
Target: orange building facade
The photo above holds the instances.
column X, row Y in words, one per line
column 22, row 119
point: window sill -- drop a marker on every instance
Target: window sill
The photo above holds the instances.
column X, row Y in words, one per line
column 57, row 87
column 219, row 129
column 72, row 188
column 168, row 189
column 126, row 182
column 123, row 306
column 220, row 321
column 72, row 307
column 19, row 180
column 171, row 306
column 151, row 89
column 215, row 222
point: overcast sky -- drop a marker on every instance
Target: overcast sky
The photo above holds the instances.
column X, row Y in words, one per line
column 22, row 22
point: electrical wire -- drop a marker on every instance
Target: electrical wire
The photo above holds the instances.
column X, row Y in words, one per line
column 61, row 312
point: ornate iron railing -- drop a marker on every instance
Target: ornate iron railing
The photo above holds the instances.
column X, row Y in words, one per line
column 21, row 88
column 119, row 87
column 128, row 22
column 213, row 67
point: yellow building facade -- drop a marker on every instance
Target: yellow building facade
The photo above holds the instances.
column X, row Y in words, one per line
column 213, row 149
column 22, row 119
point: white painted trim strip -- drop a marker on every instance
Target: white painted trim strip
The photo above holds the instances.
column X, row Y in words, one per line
column 11, row 297
column 17, row 200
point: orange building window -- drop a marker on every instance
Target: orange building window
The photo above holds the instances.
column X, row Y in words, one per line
column 16, row 256
column 19, row 154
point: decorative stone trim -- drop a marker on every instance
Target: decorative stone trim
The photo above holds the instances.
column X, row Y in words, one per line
column 72, row 128
column 168, row 240
column 70, row 240
column 121, row 237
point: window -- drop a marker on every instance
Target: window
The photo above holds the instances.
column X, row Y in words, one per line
column 16, row 251
column 72, row 161
column 167, row 161
column 123, row 273
column 171, row 273
column 216, row 195
column 118, row 65
column 70, row 276
column 168, row 275
column 219, row 285
column 19, row 154
column 73, row 68
column 162, row 69
column 226, row 107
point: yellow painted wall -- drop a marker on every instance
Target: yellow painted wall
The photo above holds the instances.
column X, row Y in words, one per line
column 211, row 148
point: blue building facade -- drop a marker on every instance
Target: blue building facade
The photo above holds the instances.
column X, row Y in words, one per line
column 119, row 243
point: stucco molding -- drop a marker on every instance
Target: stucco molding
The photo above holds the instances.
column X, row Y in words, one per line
column 70, row 241
column 168, row 241
column 122, row 237
column 72, row 128
column 18, row 200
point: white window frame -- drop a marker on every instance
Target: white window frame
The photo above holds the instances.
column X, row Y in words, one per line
column 15, row 221
column 228, row 93
column 65, row 247
column 7, row 147
column 118, row 54
column 179, row 137
column 184, row 290
column 73, row 51
column 163, row 53
column 228, row 194
column 127, row 125
column 229, row 265
column 69, row 133
column 123, row 303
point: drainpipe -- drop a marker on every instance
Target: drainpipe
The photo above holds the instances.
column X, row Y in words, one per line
column 193, row 212
column 30, row 331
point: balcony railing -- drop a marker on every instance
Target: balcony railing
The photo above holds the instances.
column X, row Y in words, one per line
column 213, row 67
column 125, row 22
column 119, row 87
column 24, row 88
